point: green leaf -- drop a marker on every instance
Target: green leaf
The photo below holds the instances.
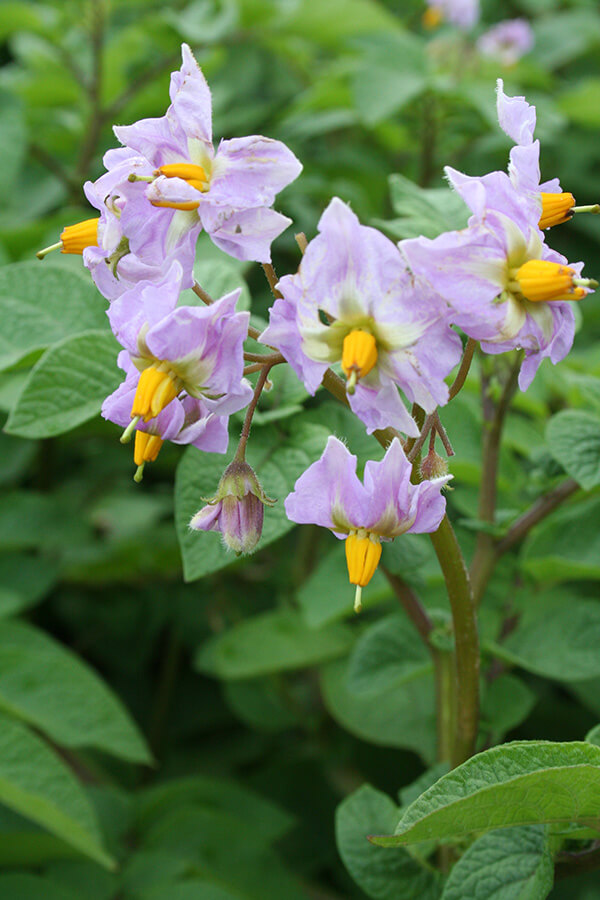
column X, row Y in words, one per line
column 67, row 386
column 223, row 849
column 277, row 461
column 24, row 581
column 51, row 688
column 593, row 736
column 523, row 783
column 390, row 653
column 326, row 595
column 391, row 72
column 574, row 441
column 506, row 702
column 33, row 887
column 381, row 874
column 12, row 142
column 513, row 864
column 275, row 641
column 581, row 104
column 194, row 889
column 36, row 784
column 427, row 211
column 40, row 305
column 265, row 820
column 392, row 717
column 566, row 546
column 560, row 640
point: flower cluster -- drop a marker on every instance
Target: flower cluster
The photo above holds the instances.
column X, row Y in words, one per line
column 383, row 314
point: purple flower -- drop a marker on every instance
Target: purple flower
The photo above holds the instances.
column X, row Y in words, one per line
column 462, row 13
column 505, row 286
column 237, row 509
column 228, row 191
column 132, row 243
column 507, row 41
column 517, row 119
column 353, row 301
column 185, row 420
column 178, row 354
column 331, row 495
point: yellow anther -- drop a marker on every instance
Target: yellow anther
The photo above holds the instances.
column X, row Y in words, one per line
column 194, row 175
column 75, row 238
column 359, row 356
column 363, row 552
column 541, row 280
column 432, row 17
column 156, row 388
column 147, row 447
column 186, row 171
column 166, row 204
column 556, row 209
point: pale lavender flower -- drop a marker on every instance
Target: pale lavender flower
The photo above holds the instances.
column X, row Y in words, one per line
column 237, row 509
column 507, row 41
column 179, row 355
column 132, row 245
column 462, row 13
column 505, row 286
column 331, row 495
column 353, row 301
column 228, row 191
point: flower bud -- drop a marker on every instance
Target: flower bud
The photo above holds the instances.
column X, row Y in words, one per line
column 236, row 510
column 433, row 466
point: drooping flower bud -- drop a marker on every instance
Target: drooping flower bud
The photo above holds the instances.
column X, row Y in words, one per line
column 433, row 466
column 236, row 510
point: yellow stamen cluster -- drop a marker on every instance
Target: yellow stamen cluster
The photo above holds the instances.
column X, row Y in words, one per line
column 541, row 280
column 195, row 177
column 432, row 17
column 359, row 356
column 146, row 448
column 556, row 208
column 75, row 238
column 363, row 552
column 156, row 388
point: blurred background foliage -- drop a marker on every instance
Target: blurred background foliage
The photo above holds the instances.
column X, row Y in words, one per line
column 259, row 701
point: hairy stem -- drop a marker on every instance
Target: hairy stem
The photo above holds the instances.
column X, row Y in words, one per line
column 494, row 416
column 463, row 371
column 538, row 511
column 240, row 453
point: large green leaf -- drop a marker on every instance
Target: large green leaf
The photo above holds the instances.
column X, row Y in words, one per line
column 558, row 641
column 271, row 642
column 51, row 688
column 263, row 818
column 512, row 864
column 33, row 887
column 382, row 874
column 523, row 783
column 12, row 142
column 388, row 654
column 567, row 545
column 66, row 386
column 401, row 716
column 40, row 305
column 278, row 463
column 35, row 783
column 574, row 440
